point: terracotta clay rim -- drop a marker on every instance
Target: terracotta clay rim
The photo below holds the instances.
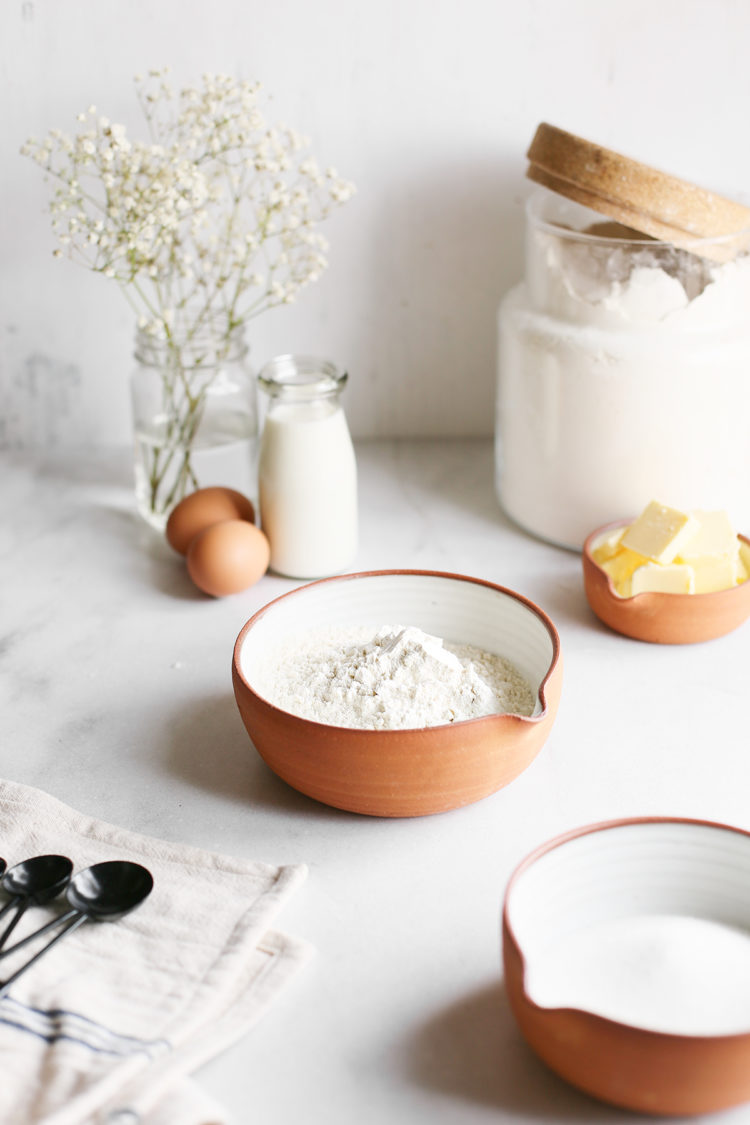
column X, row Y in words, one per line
column 648, row 200
column 655, row 594
column 587, row 830
column 363, row 733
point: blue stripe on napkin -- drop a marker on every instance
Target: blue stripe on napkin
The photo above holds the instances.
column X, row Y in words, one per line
column 58, row 1024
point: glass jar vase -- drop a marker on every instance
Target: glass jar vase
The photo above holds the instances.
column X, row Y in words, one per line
column 195, row 417
column 623, row 375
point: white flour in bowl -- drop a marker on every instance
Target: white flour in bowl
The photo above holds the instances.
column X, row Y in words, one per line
column 395, row 678
column 672, row 973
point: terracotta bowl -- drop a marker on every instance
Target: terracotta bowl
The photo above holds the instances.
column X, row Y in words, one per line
column 626, row 948
column 402, row 772
column 668, row 619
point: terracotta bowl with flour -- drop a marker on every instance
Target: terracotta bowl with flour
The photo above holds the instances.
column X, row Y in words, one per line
column 626, row 948
column 410, row 771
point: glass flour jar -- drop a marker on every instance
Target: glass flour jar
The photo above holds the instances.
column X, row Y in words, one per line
column 307, row 472
column 623, row 376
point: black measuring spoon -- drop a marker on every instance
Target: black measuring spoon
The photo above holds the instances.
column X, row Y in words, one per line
column 103, row 893
column 33, row 882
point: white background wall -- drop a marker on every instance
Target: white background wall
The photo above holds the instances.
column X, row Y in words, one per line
column 428, row 105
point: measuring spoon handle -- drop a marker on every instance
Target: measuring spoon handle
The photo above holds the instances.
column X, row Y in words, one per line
column 38, row 933
column 9, row 905
column 73, row 924
column 21, row 907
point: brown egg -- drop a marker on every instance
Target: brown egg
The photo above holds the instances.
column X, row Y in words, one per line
column 201, row 509
column 228, row 557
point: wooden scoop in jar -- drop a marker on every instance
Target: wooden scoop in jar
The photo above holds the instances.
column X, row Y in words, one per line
column 648, row 201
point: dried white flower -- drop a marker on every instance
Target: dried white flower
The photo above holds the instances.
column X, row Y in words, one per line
column 217, row 212
column 205, row 224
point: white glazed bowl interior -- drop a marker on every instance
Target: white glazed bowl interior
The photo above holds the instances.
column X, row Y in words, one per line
column 629, row 870
column 458, row 609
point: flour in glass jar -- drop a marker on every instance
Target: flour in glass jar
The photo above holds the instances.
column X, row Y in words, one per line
column 394, row 678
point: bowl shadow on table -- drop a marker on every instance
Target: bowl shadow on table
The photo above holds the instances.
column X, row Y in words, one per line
column 207, row 746
column 472, row 1051
column 563, row 598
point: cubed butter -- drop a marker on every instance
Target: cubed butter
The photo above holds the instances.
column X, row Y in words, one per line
column 715, row 536
column 663, row 578
column 660, row 533
column 620, row 567
column 715, row 572
column 608, row 546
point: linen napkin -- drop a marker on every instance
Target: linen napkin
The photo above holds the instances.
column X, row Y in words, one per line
column 107, row 1027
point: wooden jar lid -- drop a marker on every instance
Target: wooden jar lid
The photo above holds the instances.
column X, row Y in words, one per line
column 648, row 201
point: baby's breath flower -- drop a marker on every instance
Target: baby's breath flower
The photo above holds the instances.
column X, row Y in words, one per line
column 210, row 221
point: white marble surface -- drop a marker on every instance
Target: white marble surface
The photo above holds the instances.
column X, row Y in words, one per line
column 116, row 697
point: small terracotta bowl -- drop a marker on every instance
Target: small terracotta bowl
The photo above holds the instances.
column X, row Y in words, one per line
column 667, row 619
column 410, row 772
column 626, row 948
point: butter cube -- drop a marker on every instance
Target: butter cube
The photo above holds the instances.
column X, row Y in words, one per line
column 608, row 546
column 743, row 565
column 620, row 567
column 660, row 533
column 667, row 578
column 715, row 572
column 714, row 536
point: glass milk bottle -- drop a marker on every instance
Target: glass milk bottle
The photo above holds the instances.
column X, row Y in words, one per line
column 307, row 472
